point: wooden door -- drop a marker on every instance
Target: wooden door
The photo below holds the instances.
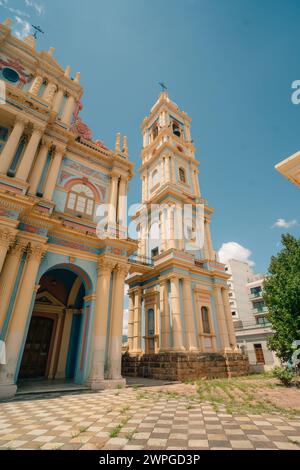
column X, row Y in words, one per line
column 35, row 356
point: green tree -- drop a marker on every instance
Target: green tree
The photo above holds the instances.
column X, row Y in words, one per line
column 282, row 297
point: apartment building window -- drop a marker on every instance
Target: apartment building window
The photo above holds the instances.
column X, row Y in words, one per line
column 256, row 291
column 259, row 354
column 259, row 306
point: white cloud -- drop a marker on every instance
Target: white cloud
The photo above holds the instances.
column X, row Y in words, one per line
column 22, row 28
column 18, row 12
column 282, row 223
column 125, row 321
column 233, row 250
column 40, row 9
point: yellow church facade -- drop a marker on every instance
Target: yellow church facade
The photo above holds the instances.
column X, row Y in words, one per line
column 61, row 301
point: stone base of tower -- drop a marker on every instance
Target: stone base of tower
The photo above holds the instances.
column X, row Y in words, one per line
column 185, row 366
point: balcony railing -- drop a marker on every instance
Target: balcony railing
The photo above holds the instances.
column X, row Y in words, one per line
column 255, row 295
column 145, row 260
column 259, row 310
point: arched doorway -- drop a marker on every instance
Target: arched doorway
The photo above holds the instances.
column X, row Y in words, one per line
column 56, row 346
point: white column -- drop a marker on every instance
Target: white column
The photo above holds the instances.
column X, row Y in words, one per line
column 68, row 110
column 191, row 339
column 49, row 92
column 113, row 201
column 137, row 333
column 29, row 154
column 53, row 172
column 165, row 317
column 122, row 206
column 19, row 320
column 130, row 321
column 115, row 340
column 36, row 85
column 39, row 166
column 224, row 337
column 8, row 277
column 176, row 315
column 58, row 100
column 11, row 145
column 101, row 313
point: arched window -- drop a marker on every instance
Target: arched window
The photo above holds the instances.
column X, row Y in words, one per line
column 205, row 320
column 154, row 131
column 176, row 129
column 182, row 177
column 81, row 200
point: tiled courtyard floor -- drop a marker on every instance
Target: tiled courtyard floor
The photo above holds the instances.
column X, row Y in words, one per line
column 147, row 418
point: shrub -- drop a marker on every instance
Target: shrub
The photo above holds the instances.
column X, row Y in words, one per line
column 284, row 374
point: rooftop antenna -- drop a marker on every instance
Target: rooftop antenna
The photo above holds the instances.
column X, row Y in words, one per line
column 37, row 29
column 163, row 86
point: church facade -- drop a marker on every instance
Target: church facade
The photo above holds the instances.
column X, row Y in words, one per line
column 61, row 285
column 180, row 323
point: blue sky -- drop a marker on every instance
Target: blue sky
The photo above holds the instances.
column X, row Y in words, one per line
column 228, row 63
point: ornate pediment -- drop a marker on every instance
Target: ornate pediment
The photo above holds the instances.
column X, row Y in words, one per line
column 45, row 298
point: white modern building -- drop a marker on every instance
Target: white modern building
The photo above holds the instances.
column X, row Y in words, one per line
column 250, row 315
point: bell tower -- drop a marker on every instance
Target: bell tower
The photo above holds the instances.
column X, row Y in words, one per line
column 178, row 301
column 169, row 175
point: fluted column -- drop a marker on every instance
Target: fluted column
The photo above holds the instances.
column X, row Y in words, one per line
column 113, row 200
column 6, row 239
column 58, row 100
column 39, row 166
column 228, row 316
column 29, row 154
column 11, row 145
column 122, row 202
column 116, row 330
column 36, row 85
column 168, row 169
column 210, row 250
column 165, row 317
column 53, row 172
column 96, row 377
column 224, row 337
column 8, row 277
column 49, row 92
column 171, row 215
column 19, row 319
column 191, row 339
column 176, row 315
column 130, row 321
column 68, row 110
column 137, row 333
column 163, row 240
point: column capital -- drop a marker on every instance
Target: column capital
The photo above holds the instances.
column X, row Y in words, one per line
column 19, row 247
column 122, row 269
column 35, row 251
column 38, row 128
column 21, row 120
column 47, row 142
column 105, row 266
column 60, row 149
column 6, row 237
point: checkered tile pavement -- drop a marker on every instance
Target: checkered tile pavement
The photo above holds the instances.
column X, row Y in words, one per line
column 132, row 419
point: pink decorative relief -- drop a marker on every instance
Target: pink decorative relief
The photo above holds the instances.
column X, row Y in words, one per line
column 82, row 129
column 16, row 65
